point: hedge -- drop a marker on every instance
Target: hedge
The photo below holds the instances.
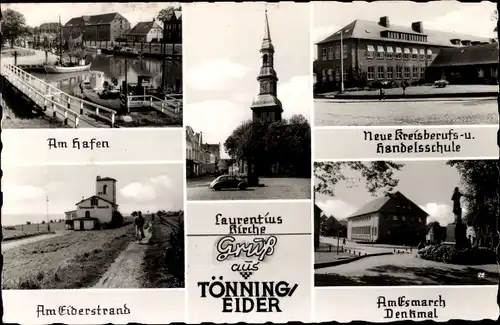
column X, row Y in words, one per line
column 452, row 255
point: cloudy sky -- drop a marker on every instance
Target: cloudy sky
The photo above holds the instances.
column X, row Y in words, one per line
column 37, row 14
column 429, row 184
column 222, row 61
column 139, row 187
column 451, row 16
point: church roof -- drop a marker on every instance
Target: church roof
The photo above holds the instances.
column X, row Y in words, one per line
column 266, row 100
column 100, row 198
column 105, row 179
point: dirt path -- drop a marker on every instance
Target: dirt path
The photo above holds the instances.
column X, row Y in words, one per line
column 126, row 271
column 19, row 242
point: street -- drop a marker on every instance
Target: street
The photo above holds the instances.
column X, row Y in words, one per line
column 330, row 112
column 273, row 189
column 401, row 269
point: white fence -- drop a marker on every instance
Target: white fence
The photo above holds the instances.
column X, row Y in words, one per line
column 72, row 110
column 171, row 106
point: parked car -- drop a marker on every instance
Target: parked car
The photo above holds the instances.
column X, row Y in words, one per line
column 228, row 181
column 441, row 83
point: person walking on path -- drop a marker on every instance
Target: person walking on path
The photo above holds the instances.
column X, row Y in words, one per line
column 382, row 94
column 139, row 224
column 404, row 87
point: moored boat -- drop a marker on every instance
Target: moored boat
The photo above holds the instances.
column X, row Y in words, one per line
column 95, row 89
column 54, row 68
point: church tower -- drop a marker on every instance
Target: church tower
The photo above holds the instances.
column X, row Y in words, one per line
column 106, row 188
column 266, row 106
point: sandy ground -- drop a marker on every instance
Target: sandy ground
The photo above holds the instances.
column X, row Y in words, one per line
column 126, row 270
column 19, row 242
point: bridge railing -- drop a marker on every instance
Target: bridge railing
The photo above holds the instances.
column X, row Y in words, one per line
column 58, row 110
column 170, row 106
column 53, row 94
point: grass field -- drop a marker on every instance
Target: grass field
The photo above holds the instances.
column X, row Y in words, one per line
column 71, row 261
column 155, row 265
column 21, row 231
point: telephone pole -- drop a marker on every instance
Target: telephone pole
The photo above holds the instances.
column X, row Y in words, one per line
column 341, row 62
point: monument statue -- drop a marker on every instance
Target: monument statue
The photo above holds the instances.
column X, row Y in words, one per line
column 460, row 231
column 457, row 208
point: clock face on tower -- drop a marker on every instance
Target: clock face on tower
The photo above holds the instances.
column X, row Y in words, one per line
column 265, row 87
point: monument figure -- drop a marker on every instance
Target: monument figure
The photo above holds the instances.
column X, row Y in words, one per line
column 457, row 230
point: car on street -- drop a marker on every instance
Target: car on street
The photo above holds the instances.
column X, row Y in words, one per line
column 441, row 83
column 228, row 181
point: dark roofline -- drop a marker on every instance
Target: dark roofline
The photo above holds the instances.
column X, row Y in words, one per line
column 100, row 198
column 392, row 28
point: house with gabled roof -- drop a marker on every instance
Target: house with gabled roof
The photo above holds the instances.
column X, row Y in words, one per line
column 96, row 28
column 145, row 31
column 391, row 219
column 95, row 211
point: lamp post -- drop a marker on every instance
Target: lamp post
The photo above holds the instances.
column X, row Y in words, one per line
column 47, row 211
column 341, row 62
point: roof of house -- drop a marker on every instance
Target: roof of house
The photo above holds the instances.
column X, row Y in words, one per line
column 371, row 30
column 105, row 179
column 100, row 198
column 469, row 55
column 390, row 203
column 71, row 211
column 142, row 28
column 94, row 19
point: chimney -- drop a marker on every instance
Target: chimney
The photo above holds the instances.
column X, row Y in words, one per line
column 417, row 27
column 98, row 178
column 154, row 19
column 384, row 21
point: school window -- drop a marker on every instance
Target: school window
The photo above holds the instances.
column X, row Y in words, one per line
column 494, row 72
column 330, row 53
column 389, row 53
column 399, row 53
column 414, row 54
column 380, row 73
column 330, row 74
column 370, row 52
column 422, row 72
column 345, row 51
column 407, row 72
column 371, row 72
column 406, row 54
column 415, row 73
column 323, row 54
column 390, row 73
column 429, row 54
column 323, row 74
column 398, row 72
column 422, row 54
column 93, row 201
column 344, row 73
column 337, row 53
column 380, row 52
column 337, row 74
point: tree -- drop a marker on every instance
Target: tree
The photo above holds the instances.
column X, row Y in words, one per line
column 13, row 25
column 277, row 148
column 495, row 18
column 377, row 175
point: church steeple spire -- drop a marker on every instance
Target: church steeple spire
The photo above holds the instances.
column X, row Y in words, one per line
column 266, row 41
column 267, row 107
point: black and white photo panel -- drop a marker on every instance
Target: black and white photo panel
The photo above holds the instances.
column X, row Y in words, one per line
column 405, row 63
column 85, row 65
column 72, row 234
column 421, row 233
column 248, row 112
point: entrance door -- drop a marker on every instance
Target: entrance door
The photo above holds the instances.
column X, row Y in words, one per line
column 81, row 225
column 87, row 214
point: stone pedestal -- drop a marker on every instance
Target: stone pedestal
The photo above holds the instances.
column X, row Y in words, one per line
column 450, row 232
